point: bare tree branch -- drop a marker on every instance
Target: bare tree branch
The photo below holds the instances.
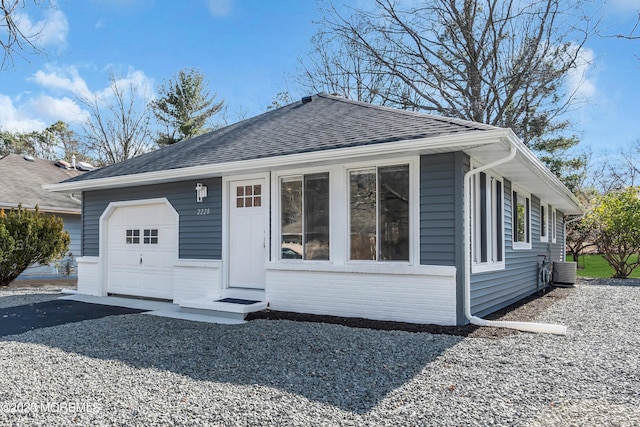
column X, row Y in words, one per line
column 119, row 124
column 14, row 39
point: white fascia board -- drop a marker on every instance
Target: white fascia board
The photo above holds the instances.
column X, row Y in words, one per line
column 451, row 142
column 538, row 168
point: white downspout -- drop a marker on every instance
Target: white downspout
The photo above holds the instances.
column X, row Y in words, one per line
column 522, row 326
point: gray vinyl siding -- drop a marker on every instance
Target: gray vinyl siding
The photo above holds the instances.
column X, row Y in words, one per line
column 440, row 201
column 491, row 291
column 200, row 236
column 72, row 225
column 441, row 220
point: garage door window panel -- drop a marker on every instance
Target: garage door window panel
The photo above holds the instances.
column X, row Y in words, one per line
column 132, row 237
column 151, row 236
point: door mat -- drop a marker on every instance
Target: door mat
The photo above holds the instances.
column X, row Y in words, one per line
column 238, row 301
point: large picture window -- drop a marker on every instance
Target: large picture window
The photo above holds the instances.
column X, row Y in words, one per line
column 305, row 217
column 379, row 213
column 521, row 220
column 487, row 222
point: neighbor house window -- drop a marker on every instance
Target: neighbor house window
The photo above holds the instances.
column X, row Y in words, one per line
column 544, row 222
column 554, row 225
column 304, row 207
column 487, row 222
column 521, row 220
column 132, row 237
column 379, row 213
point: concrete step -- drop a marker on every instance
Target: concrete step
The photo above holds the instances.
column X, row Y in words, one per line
column 230, row 310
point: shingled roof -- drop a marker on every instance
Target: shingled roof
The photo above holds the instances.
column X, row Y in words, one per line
column 316, row 123
column 22, row 182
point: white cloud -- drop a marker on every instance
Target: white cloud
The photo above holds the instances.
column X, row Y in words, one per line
column 220, row 7
column 578, row 79
column 55, row 109
column 62, row 78
column 17, row 120
column 134, row 79
column 52, row 30
column 58, row 99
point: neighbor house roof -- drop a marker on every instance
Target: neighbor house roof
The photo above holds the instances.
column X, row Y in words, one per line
column 22, row 179
column 316, row 123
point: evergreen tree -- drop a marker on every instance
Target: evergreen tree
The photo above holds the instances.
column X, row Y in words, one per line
column 184, row 106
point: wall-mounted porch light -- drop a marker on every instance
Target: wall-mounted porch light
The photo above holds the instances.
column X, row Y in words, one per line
column 201, row 192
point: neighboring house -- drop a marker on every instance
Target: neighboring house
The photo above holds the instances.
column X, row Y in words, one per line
column 327, row 206
column 22, row 178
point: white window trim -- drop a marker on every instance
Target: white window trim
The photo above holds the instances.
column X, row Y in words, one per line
column 481, row 267
column 527, row 195
column 414, row 209
column 339, row 215
column 554, row 225
column 277, row 220
column 544, row 238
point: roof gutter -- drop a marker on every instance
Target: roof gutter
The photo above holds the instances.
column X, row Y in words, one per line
column 522, row 326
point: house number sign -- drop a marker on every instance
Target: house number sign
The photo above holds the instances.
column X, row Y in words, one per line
column 203, row 211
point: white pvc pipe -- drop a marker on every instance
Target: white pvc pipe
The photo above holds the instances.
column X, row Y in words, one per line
column 522, row 326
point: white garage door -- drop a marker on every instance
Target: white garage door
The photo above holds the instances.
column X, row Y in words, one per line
column 142, row 246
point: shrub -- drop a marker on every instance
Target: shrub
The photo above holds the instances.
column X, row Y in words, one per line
column 616, row 221
column 28, row 237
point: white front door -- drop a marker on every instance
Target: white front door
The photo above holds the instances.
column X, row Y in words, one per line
column 247, row 234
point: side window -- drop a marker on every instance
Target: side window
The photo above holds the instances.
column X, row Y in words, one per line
column 132, row 237
column 521, row 220
column 544, row 222
column 487, row 222
column 554, row 225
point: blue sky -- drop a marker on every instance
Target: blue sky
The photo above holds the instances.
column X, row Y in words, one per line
column 247, row 50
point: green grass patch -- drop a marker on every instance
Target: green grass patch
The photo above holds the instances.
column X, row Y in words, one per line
column 597, row 266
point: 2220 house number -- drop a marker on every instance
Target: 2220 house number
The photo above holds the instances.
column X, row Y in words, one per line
column 204, row 211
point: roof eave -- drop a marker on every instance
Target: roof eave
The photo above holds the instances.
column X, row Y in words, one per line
column 43, row 208
column 541, row 181
column 449, row 142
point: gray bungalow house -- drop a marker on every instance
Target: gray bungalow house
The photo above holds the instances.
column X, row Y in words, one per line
column 21, row 181
column 327, row 206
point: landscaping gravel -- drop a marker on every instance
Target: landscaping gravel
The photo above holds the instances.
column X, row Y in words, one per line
column 144, row 370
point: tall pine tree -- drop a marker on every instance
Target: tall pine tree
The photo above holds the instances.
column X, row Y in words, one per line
column 184, row 106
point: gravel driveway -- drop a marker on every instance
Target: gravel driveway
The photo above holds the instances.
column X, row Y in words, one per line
column 144, row 370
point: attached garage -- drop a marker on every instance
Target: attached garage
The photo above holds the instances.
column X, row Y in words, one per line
column 142, row 248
